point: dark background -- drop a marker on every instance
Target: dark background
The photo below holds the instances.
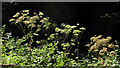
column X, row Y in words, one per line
column 88, row 14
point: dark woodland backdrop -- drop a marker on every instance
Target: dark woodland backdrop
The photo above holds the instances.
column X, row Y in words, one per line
column 88, row 14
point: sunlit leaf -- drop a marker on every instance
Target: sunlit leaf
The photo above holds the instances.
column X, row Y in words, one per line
column 40, row 13
column 35, row 34
column 11, row 20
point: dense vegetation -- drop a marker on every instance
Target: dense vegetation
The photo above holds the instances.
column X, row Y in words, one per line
column 54, row 45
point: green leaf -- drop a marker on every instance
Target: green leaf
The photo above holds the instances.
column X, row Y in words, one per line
column 95, row 58
column 44, row 26
column 39, row 29
column 82, row 28
column 76, row 34
column 16, row 15
column 72, row 44
column 35, row 34
column 38, row 42
column 40, row 13
column 76, row 31
column 26, row 10
column 73, row 27
column 11, row 20
column 76, row 57
column 64, row 48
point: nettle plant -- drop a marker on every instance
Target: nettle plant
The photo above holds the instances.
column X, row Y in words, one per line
column 103, row 51
column 68, row 36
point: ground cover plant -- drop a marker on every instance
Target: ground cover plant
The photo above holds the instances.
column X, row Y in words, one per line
column 44, row 43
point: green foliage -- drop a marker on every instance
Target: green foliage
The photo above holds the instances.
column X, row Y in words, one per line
column 12, row 49
column 57, row 49
column 46, row 54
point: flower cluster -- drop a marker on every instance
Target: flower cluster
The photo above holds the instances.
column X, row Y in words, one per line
column 68, row 36
column 101, row 47
column 23, row 17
